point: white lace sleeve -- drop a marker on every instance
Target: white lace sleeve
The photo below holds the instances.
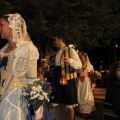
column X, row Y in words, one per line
column 24, row 55
column 20, row 64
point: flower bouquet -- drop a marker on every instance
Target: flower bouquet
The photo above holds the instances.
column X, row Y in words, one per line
column 37, row 93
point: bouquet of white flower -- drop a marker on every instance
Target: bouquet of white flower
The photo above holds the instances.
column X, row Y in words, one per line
column 37, row 93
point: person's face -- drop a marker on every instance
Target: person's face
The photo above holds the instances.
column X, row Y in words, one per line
column 40, row 70
column 4, row 29
column 118, row 73
column 82, row 58
column 57, row 42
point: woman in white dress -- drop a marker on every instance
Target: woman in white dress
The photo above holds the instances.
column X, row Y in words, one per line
column 84, row 88
column 18, row 65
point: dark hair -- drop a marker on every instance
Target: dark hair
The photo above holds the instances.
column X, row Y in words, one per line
column 5, row 18
column 61, row 36
column 82, row 54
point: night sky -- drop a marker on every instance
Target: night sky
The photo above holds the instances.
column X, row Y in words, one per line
column 104, row 56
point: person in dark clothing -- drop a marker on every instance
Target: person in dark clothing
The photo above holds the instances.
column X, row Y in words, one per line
column 66, row 63
column 51, row 75
column 112, row 98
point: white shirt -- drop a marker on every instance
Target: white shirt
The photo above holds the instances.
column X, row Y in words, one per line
column 75, row 61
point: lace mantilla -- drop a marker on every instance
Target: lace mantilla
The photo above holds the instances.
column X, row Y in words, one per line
column 18, row 26
column 25, row 50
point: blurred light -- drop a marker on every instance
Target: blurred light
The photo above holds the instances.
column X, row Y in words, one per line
column 71, row 46
column 116, row 45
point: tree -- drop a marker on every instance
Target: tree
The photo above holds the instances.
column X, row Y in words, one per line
column 86, row 23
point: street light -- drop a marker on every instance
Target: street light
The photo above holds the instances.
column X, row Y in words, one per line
column 101, row 65
column 116, row 45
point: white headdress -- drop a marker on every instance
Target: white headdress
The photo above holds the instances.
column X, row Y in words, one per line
column 89, row 65
column 25, row 50
column 18, row 26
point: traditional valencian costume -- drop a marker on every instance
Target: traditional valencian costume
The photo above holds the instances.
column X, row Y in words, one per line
column 65, row 77
column 17, row 68
column 85, row 95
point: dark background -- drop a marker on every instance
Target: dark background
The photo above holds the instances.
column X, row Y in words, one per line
column 101, row 58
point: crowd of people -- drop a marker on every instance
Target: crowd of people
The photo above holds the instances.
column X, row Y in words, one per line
column 68, row 72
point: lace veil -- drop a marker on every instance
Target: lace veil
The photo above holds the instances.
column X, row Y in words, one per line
column 25, row 50
column 18, row 26
column 89, row 65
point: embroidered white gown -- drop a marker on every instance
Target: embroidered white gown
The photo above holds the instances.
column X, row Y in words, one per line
column 85, row 95
column 19, row 70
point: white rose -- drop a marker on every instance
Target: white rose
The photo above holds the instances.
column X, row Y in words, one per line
column 39, row 88
column 45, row 94
column 34, row 88
column 36, row 96
column 41, row 97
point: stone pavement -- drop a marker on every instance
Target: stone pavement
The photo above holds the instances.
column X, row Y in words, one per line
column 99, row 94
column 96, row 115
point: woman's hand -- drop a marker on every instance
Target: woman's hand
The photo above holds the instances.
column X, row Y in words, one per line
column 40, row 114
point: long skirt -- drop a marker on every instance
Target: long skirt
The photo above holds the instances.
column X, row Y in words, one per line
column 85, row 95
column 13, row 106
